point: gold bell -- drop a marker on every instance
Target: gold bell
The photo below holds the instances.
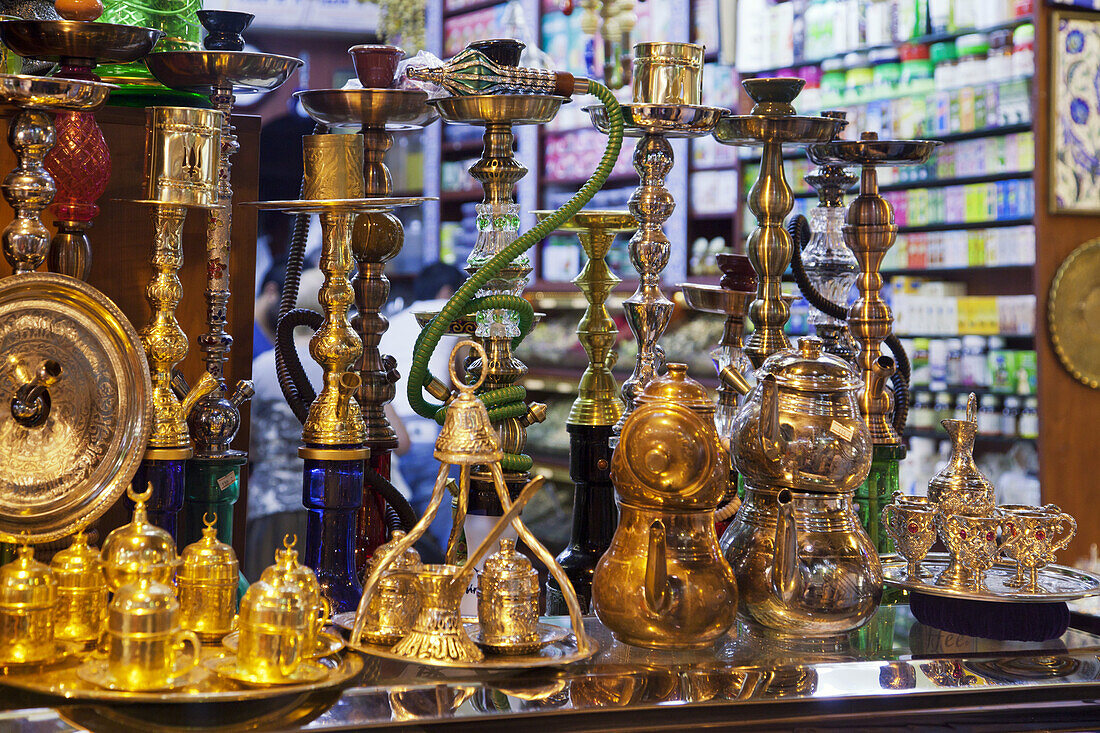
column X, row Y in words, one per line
column 139, row 549
column 207, row 584
column 81, row 592
column 467, row 437
column 302, row 581
column 396, row 600
column 28, row 593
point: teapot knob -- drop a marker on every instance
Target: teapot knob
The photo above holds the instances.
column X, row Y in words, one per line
column 810, row 347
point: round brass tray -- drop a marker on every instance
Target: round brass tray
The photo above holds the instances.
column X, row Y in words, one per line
column 670, row 120
column 1073, row 310
column 210, row 688
column 339, row 206
column 1061, row 583
column 65, row 472
column 394, row 109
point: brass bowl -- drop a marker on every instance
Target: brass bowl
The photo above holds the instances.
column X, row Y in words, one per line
column 671, row 120
column 872, row 152
column 713, row 299
column 53, row 93
column 202, row 71
column 749, row 130
column 396, row 109
column 57, row 40
column 506, row 109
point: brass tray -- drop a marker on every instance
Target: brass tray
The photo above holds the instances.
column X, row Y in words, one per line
column 62, row 474
column 1062, row 583
column 211, row 689
column 1073, row 307
column 669, row 120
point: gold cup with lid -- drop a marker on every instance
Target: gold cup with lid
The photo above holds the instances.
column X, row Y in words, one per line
column 139, row 550
column 303, row 581
column 145, row 644
column 81, row 592
column 508, row 601
column 207, row 584
column 28, row 594
column 396, row 599
column 273, row 621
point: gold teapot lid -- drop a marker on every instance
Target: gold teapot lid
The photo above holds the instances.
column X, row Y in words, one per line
column 26, row 583
column 276, row 602
column 143, row 607
column 507, row 563
column 138, row 549
column 677, row 386
column 287, row 570
column 408, row 560
column 209, row 559
column 78, row 565
column 809, row 369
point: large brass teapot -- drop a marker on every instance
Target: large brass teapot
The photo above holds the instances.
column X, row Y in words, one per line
column 803, row 562
column 663, row 583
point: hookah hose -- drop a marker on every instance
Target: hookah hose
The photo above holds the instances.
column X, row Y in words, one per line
column 508, row 401
column 799, row 229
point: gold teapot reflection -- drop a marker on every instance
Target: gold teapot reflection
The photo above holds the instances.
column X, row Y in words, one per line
column 804, row 563
column 663, row 582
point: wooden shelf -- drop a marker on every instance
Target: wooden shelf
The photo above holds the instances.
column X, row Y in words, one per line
column 941, row 271
column 961, row 225
column 937, row 182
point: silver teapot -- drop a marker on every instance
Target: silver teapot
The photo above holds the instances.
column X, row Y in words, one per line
column 803, row 562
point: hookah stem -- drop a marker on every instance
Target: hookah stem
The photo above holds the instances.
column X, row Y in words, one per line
column 428, row 339
column 799, row 229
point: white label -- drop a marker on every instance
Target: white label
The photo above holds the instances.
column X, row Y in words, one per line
column 843, row 432
column 227, row 480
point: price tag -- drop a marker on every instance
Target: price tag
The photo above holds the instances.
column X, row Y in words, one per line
column 227, row 480
column 843, row 432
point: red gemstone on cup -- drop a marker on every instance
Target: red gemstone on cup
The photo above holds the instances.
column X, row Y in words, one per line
column 912, row 527
column 962, row 534
column 1041, row 534
column 990, row 536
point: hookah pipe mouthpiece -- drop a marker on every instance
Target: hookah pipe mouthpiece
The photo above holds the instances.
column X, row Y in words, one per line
column 473, row 72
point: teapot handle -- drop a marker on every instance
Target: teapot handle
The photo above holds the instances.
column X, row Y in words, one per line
column 656, row 590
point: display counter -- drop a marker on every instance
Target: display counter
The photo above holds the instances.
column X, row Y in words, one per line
column 893, row 672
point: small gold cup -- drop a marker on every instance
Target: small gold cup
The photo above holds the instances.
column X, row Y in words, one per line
column 81, row 593
column 333, row 166
column 207, row 580
column 918, row 502
column 302, row 581
column 508, row 601
column 273, row 623
column 668, row 73
column 396, row 599
column 1039, row 532
column 184, row 151
column 913, row 529
column 975, row 540
column 28, row 594
column 145, row 643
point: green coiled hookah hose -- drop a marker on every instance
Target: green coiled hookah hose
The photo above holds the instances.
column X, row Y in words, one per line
column 508, row 402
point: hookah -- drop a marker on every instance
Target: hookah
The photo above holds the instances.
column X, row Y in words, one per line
column 80, row 161
column 183, row 145
column 869, row 233
column 213, row 474
column 668, row 87
column 613, row 20
column 497, row 96
column 378, row 110
column 594, row 412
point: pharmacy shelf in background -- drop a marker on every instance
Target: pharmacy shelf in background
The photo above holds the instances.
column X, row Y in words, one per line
column 947, row 271
column 979, row 439
column 935, row 182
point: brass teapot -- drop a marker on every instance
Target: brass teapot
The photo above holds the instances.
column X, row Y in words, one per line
column 663, row 583
column 803, row 562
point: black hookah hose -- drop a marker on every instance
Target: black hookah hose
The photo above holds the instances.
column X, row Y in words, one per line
column 799, row 229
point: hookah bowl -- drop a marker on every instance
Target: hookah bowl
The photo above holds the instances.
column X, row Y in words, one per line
column 660, row 112
column 377, row 237
column 771, row 124
column 213, row 476
column 80, row 162
column 594, row 412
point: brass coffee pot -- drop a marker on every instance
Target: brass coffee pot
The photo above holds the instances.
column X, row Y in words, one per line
column 804, row 563
column 663, row 582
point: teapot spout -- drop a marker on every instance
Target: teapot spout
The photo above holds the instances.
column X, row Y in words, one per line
column 657, row 594
column 785, row 562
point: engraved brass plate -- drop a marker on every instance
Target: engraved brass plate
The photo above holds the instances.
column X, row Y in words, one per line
column 62, row 468
column 1073, row 310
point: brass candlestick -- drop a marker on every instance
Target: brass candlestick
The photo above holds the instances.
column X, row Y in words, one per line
column 771, row 123
column 869, row 233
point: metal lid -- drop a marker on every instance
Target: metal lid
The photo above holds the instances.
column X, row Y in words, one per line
column 78, row 565
column 26, row 583
column 138, row 550
column 144, row 607
column 809, row 369
column 74, row 448
column 507, row 564
column 677, row 386
column 274, row 603
column 288, row 571
column 409, row 560
column 208, row 559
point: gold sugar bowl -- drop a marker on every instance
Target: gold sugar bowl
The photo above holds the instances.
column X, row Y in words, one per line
column 139, row 550
column 396, row 599
column 81, row 593
column 28, row 594
column 303, row 581
column 207, row 585
column 508, row 602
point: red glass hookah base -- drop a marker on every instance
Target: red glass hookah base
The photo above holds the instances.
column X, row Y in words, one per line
column 80, row 164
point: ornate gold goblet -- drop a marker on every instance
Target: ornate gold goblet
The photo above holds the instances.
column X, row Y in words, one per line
column 975, row 542
column 913, row 529
column 1039, row 532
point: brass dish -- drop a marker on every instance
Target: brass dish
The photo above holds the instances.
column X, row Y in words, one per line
column 63, row 652
column 752, row 130
column 497, row 109
column 871, row 152
column 57, row 40
column 53, row 93
column 1072, row 308
column 547, row 634
column 334, row 206
column 669, row 120
column 396, row 109
column 327, row 644
column 554, row 654
column 66, row 471
column 1059, row 583
column 96, row 672
column 202, row 71
column 307, row 672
